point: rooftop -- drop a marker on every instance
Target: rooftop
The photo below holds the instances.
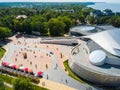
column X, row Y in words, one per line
column 104, row 69
column 108, row 40
column 88, row 30
column 21, row 16
column 85, row 30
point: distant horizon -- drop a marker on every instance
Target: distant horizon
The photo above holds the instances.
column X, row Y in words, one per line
column 52, row 2
column 64, row 1
column 95, row 1
column 55, row 2
column 48, row 1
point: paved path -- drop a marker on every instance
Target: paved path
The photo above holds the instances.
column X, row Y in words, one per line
column 55, row 73
column 58, row 75
column 54, row 85
column 9, row 85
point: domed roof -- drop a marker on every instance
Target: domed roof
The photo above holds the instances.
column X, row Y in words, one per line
column 83, row 28
column 87, row 28
column 97, row 57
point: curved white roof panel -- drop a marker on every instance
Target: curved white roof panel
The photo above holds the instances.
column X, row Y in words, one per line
column 83, row 28
column 87, row 28
column 97, row 57
column 109, row 40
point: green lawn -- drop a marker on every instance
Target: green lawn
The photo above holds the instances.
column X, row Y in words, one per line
column 2, row 52
column 71, row 74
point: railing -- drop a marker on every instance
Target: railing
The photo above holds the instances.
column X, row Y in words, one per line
column 52, row 38
column 73, row 51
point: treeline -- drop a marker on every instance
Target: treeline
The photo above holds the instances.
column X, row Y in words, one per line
column 112, row 20
column 47, row 21
column 52, row 20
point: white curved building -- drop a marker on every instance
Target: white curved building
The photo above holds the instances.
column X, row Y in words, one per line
column 109, row 40
column 98, row 59
column 82, row 30
column 88, row 30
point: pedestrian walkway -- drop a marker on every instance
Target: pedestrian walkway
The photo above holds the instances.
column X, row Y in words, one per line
column 9, row 85
column 53, row 85
column 54, row 78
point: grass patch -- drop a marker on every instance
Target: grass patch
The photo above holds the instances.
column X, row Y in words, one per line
column 8, row 88
column 7, row 79
column 71, row 74
column 10, row 80
column 2, row 52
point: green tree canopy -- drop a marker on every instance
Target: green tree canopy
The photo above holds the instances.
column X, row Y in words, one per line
column 38, row 23
column 115, row 21
column 2, row 86
column 92, row 20
column 68, row 23
column 5, row 32
column 22, row 84
column 56, row 27
column 18, row 26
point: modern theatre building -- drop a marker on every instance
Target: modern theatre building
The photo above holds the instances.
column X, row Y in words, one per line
column 88, row 30
column 98, row 59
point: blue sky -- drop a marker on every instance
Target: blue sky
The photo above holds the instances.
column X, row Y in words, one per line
column 110, row 1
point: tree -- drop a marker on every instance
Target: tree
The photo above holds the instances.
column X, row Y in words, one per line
column 2, row 86
column 50, row 14
column 56, row 27
column 18, row 26
column 67, row 21
column 8, row 21
column 44, row 31
column 27, row 26
column 39, row 24
column 115, row 21
column 92, row 19
column 22, row 84
column 104, row 20
column 81, row 18
column 5, row 32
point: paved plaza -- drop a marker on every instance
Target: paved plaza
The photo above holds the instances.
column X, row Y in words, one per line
column 48, row 58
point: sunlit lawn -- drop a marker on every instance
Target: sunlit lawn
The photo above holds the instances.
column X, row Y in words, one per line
column 71, row 74
column 2, row 51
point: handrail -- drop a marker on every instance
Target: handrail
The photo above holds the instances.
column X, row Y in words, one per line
column 75, row 47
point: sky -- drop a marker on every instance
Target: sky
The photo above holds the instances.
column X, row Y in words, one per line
column 109, row 1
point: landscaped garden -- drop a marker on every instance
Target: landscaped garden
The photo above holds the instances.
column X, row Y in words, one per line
column 71, row 74
column 2, row 51
column 20, row 82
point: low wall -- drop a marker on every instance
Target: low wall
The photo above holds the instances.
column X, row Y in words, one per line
column 94, row 76
column 61, row 41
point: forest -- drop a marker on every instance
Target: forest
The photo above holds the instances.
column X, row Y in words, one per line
column 51, row 19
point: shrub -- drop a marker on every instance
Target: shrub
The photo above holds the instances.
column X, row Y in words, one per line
column 22, row 84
